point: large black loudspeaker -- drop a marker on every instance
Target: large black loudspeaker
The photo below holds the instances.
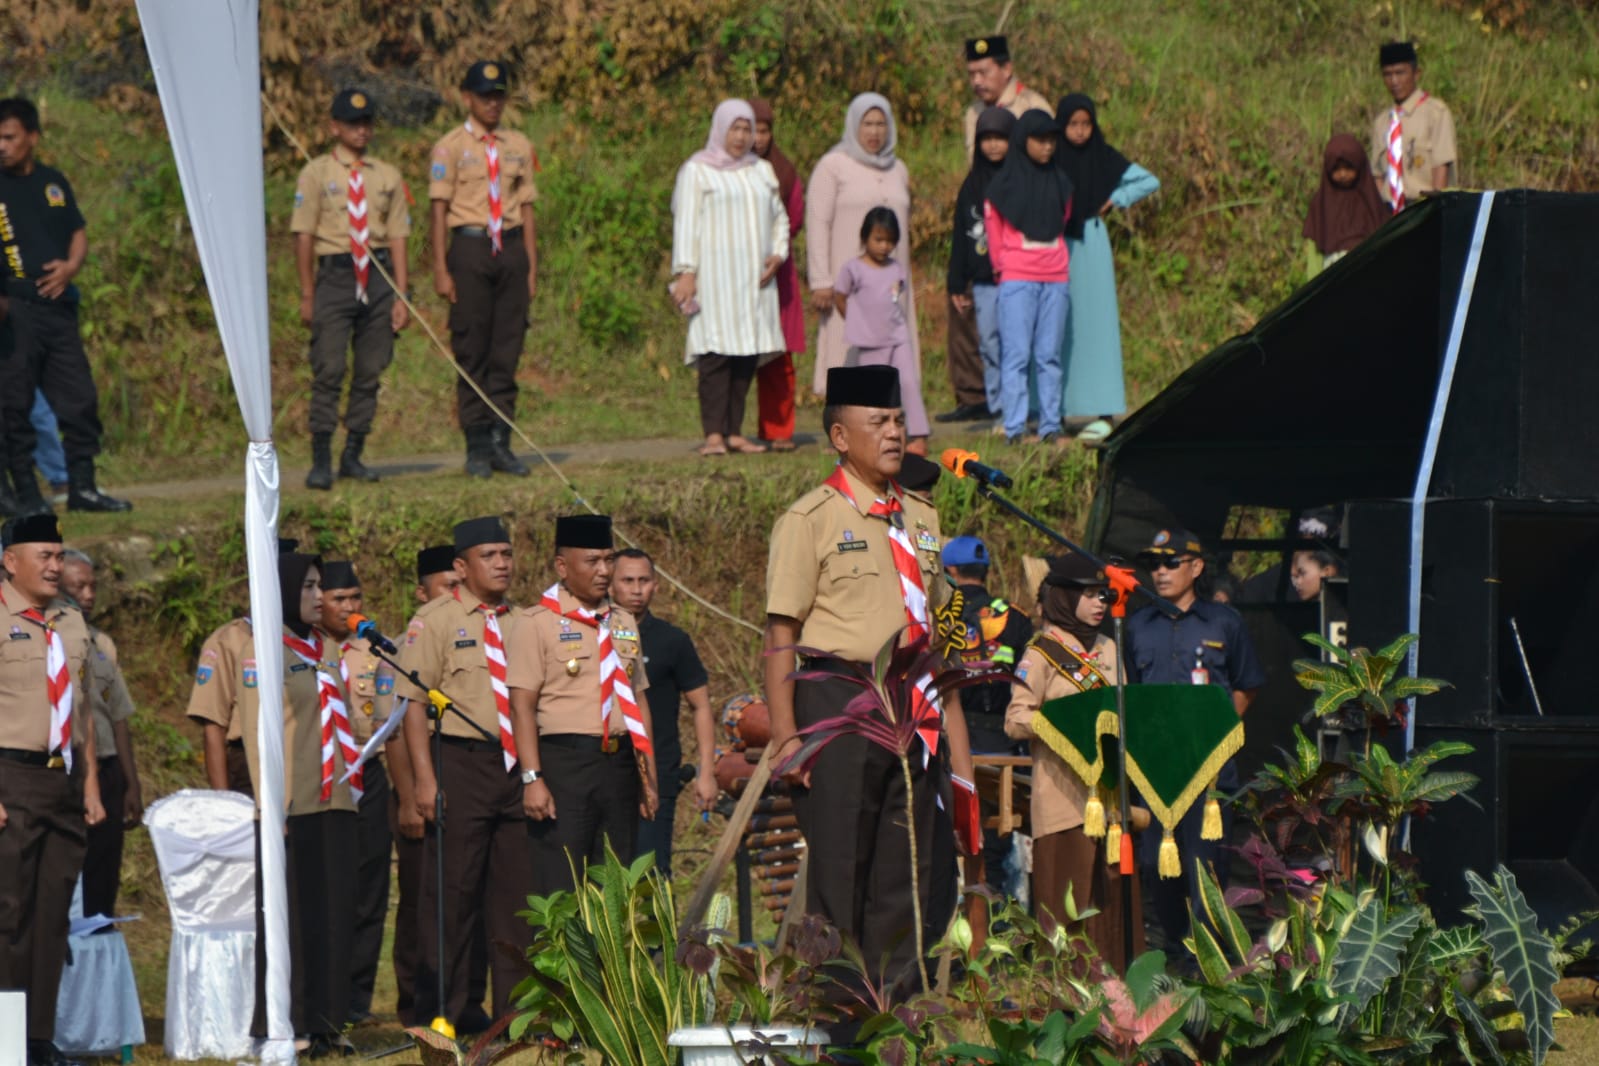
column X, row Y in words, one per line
column 1510, row 616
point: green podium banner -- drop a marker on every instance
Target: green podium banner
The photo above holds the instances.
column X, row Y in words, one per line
column 1178, row 739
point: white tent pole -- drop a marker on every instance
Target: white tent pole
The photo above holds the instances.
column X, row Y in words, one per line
column 207, row 63
column 1435, row 429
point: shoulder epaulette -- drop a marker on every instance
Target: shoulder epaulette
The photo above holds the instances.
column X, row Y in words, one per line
column 813, row 499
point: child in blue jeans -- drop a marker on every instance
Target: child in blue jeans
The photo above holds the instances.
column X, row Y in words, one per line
column 1025, row 220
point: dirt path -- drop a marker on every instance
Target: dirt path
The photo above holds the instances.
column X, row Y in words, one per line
column 567, row 456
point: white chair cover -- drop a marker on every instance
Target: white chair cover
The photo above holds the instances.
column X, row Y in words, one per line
column 205, row 845
column 97, row 1012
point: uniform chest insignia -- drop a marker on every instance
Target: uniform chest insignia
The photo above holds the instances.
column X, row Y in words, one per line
column 333, row 190
column 466, row 644
column 17, row 633
column 460, row 632
column 55, row 195
column 296, row 668
column 572, row 667
column 366, row 708
column 251, row 677
column 624, row 634
column 571, row 636
column 849, row 534
column 1215, row 644
column 852, row 546
column 926, row 541
column 202, row 675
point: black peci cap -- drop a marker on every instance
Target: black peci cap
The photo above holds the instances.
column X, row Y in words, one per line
column 863, row 386
column 434, row 560
column 584, row 531
column 34, row 529
column 995, row 48
column 476, row 531
column 1074, row 571
column 1396, row 52
column 485, row 76
column 287, row 545
column 340, row 574
column 352, row 105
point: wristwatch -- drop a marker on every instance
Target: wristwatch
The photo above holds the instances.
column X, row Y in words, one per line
column 530, row 776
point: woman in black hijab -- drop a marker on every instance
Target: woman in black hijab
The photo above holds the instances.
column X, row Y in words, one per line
column 1025, row 222
column 1102, row 178
column 971, row 274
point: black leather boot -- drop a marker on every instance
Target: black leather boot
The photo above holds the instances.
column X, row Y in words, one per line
column 501, row 457
column 82, row 495
column 350, row 464
column 321, row 475
column 479, row 451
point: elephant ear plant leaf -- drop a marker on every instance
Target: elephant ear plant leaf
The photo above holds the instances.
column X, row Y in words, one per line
column 1369, row 953
column 1522, row 951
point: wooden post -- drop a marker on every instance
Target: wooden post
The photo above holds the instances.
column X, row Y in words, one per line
column 732, row 835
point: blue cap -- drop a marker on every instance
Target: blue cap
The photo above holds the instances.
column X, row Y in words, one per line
column 965, row 551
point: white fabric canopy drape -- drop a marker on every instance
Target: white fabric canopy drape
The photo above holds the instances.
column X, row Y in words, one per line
column 207, row 63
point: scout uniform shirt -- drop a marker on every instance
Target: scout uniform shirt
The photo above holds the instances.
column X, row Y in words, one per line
column 1017, row 98
column 460, row 174
column 107, row 693
column 371, row 684
column 444, row 646
column 24, row 691
column 227, row 693
column 558, row 660
column 831, row 568
column 1427, row 131
column 1058, row 793
column 321, row 202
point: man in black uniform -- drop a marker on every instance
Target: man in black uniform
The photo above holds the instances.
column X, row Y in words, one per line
column 42, row 233
column 996, row 632
column 675, row 673
column 1206, row 644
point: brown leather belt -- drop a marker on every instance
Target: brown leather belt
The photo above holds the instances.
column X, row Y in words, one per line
column 33, row 758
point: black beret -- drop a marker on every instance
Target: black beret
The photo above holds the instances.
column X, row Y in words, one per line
column 1396, row 52
column 995, row 48
column 339, row 574
column 584, row 531
column 863, row 386
column 434, row 560
column 34, row 529
column 352, row 105
column 476, row 531
column 485, row 76
column 1074, row 571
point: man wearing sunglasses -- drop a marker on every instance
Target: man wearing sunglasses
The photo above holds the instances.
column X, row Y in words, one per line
column 1206, row 644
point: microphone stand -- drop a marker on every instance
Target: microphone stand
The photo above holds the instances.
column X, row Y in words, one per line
column 1123, row 583
column 439, row 704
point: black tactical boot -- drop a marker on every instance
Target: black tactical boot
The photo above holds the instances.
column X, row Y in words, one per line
column 479, row 451
column 501, row 457
column 350, row 464
column 321, row 475
column 81, row 492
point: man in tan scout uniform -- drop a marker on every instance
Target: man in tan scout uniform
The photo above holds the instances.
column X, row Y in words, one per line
column 457, row 644
column 349, row 210
column 371, row 685
column 1419, row 123
column 994, row 84
column 49, row 783
column 582, row 734
column 485, row 262
column 834, row 583
column 110, row 706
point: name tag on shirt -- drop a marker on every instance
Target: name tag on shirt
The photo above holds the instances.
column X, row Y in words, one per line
column 19, row 634
column 297, row 667
column 852, row 545
column 571, row 636
column 466, row 644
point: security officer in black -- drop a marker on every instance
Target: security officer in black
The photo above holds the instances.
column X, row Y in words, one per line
column 44, row 246
column 1206, row 644
column 995, row 632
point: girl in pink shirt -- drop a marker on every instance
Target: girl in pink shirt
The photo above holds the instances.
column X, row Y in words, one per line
column 1025, row 219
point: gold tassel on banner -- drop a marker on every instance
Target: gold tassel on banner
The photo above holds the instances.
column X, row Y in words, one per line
column 1169, row 866
column 1210, row 828
column 1113, row 843
column 1094, row 816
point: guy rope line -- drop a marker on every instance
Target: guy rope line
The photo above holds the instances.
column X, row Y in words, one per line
column 444, row 351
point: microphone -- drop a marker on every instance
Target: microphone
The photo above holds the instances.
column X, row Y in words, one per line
column 962, row 463
column 367, row 630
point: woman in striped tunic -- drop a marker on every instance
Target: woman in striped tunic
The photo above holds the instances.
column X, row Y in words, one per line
column 729, row 236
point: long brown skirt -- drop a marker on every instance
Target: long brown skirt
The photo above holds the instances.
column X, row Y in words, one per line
column 1073, row 859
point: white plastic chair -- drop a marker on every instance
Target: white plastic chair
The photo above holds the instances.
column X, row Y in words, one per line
column 205, row 845
column 97, row 1011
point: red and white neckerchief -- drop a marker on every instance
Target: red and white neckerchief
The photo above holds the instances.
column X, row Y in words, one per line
column 491, row 153
column 924, row 700
column 58, row 684
column 494, row 654
column 615, row 688
column 360, row 231
column 334, row 715
column 1395, row 154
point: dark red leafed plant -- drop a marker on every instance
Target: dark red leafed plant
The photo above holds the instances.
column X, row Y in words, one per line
column 891, row 712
